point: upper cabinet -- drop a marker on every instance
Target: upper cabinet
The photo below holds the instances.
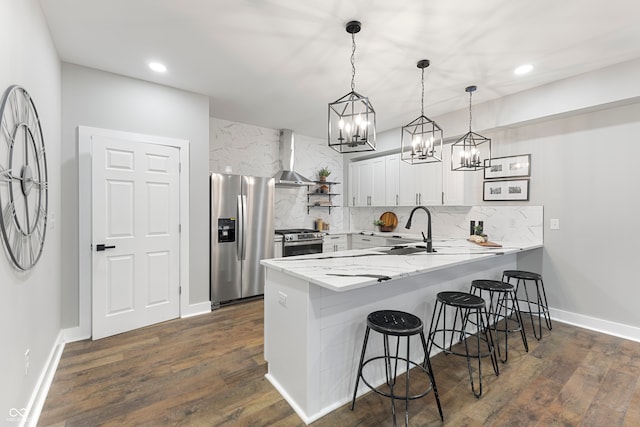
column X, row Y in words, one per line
column 420, row 184
column 453, row 186
column 367, row 182
column 392, row 184
column 388, row 181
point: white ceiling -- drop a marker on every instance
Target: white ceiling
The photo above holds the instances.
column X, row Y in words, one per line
column 277, row 63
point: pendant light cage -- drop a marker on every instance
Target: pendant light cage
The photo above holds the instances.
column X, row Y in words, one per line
column 472, row 152
column 421, row 140
column 352, row 119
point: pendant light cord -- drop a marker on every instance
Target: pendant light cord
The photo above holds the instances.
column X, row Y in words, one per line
column 470, row 95
column 422, row 99
column 353, row 62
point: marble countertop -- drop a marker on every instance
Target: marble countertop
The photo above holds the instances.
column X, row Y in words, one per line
column 392, row 234
column 358, row 266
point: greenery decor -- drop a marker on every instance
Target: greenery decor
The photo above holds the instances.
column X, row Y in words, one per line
column 324, row 172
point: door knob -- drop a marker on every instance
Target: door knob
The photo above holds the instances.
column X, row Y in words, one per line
column 101, row 247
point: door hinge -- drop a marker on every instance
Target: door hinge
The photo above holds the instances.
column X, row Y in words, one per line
column 179, row 228
column 180, row 290
column 179, row 166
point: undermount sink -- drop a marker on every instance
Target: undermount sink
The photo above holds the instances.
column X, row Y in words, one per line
column 404, row 250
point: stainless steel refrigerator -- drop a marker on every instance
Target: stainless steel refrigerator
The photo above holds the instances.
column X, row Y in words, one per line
column 242, row 234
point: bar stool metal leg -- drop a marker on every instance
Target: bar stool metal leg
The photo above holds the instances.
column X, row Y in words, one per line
column 502, row 305
column 465, row 306
column 397, row 324
column 537, row 305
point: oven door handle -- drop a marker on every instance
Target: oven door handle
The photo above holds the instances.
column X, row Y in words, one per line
column 304, row 242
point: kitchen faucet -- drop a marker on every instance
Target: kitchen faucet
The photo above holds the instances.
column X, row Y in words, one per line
column 427, row 239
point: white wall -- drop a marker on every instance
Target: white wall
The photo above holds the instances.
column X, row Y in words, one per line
column 99, row 99
column 30, row 302
column 252, row 150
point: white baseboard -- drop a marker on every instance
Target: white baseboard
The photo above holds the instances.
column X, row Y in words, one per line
column 75, row 334
column 196, row 309
column 39, row 394
column 599, row 325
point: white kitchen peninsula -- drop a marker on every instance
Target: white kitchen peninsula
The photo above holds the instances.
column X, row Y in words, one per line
column 316, row 308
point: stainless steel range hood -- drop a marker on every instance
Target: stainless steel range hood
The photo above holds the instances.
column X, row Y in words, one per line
column 287, row 176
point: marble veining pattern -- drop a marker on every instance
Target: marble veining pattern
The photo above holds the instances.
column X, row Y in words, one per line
column 321, row 269
column 501, row 223
column 252, row 150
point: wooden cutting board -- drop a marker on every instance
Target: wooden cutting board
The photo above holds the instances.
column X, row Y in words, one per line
column 487, row 244
column 390, row 221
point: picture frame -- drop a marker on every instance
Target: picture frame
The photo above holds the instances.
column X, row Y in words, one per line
column 506, row 190
column 508, row 167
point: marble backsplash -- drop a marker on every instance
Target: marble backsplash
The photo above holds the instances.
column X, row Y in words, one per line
column 252, row 150
column 501, row 223
column 243, row 149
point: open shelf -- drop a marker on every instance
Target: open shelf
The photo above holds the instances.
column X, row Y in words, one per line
column 317, row 193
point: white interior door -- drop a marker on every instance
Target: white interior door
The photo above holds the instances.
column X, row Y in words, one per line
column 135, row 216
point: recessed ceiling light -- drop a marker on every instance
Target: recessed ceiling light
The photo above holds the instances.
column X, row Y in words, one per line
column 157, row 67
column 523, row 69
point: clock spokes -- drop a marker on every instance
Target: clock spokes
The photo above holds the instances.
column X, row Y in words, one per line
column 23, row 179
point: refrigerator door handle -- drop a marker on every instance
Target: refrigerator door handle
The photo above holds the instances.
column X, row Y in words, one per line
column 239, row 227
column 242, row 220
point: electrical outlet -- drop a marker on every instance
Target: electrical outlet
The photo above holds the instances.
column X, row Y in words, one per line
column 554, row 223
column 27, row 361
column 282, row 298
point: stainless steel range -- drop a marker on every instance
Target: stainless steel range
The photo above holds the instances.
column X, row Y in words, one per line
column 300, row 241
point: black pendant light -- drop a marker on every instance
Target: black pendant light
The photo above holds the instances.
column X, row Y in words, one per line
column 352, row 119
column 472, row 152
column 422, row 138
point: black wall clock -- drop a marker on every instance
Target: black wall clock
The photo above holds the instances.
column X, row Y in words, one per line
column 24, row 194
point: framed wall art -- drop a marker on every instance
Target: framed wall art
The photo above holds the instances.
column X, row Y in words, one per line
column 506, row 190
column 508, row 167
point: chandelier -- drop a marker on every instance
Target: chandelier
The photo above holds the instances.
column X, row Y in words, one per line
column 422, row 138
column 352, row 119
column 472, row 151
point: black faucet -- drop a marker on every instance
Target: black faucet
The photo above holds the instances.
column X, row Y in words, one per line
column 427, row 239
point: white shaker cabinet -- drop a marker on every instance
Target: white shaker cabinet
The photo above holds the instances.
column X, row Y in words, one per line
column 367, row 181
column 334, row 243
column 354, row 184
column 420, row 184
column 392, row 185
column 453, row 185
column 359, row 241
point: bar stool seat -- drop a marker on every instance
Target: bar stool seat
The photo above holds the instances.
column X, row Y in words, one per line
column 535, row 305
column 396, row 324
column 470, row 310
column 502, row 297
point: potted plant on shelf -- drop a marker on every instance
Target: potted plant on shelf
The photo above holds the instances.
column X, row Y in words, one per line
column 324, row 173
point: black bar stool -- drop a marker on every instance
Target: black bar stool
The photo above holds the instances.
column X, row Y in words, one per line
column 398, row 324
column 469, row 309
column 502, row 304
column 537, row 306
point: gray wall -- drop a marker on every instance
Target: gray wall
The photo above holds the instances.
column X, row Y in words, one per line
column 30, row 302
column 99, row 99
column 582, row 137
column 584, row 172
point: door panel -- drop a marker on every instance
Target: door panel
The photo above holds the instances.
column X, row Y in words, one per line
column 120, row 296
column 135, row 209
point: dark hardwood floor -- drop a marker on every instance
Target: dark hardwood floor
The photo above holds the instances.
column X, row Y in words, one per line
column 209, row 371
